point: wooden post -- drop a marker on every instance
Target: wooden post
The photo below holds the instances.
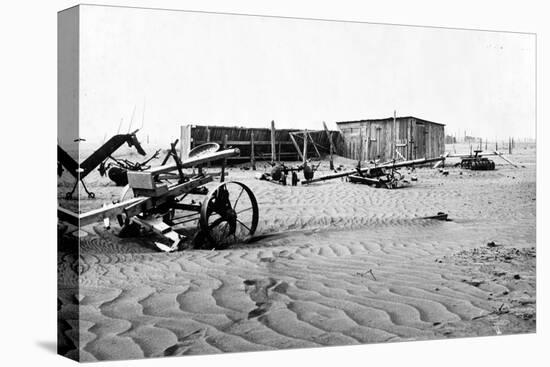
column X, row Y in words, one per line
column 329, row 136
column 393, row 134
column 208, row 141
column 314, row 145
column 360, row 155
column 368, row 132
column 185, row 141
column 224, row 162
column 273, row 141
column 296, row 146
column 252, row 158
column 305, row 147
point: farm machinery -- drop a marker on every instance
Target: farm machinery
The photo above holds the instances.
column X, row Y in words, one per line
column 171, row 204
column 385, row 175
column 476, row 162
column 117, row 169
column 389, row 178
column 80, row 171
column 279, row 173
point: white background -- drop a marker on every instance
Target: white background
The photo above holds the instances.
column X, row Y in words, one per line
column 175, row 68
column 28, row 120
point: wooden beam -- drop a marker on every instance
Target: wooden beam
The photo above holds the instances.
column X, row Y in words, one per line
column 296, row 146
column 185, row 141
column 438, row 163
column 273, row 141
column 365, row 170
column 393, row 134
column 247, row 142
column 399, row 155
column 507, row 160
column 208, row 141
column 252, row 159
column 329, row 136
column 360, row 158
column 314, row 145
column 305, row 147
column 192, row 162
column 224, row 162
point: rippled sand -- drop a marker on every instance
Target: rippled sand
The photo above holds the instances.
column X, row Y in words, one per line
column 340, row 264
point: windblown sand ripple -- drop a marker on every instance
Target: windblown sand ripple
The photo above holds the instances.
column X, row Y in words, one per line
column 335, row 263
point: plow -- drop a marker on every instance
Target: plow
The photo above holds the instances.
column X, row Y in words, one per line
column 172, row 204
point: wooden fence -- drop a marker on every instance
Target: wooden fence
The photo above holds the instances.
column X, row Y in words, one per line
column 256, row 144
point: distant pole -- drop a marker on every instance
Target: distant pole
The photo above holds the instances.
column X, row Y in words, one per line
column 252, row 158
column 305, row 146
column 224, row 145
column 485, row 143
column 273, row 158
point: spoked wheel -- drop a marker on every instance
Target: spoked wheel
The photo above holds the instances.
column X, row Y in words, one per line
column 229, row 215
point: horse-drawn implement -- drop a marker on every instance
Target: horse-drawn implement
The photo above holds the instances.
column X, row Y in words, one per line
column 154, row 201
column 97, row 158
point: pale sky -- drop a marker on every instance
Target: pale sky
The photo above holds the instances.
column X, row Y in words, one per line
column 177, row 68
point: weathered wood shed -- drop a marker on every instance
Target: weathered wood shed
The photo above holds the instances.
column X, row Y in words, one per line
column 410, row 136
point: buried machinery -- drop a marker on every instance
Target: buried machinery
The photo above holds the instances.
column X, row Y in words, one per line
column 153, row 200
column 80, row 171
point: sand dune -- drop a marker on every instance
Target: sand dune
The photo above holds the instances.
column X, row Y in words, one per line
column 339, row 264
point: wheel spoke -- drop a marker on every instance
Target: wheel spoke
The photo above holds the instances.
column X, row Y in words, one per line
column 238, row 197
column 244, row 210
column 245, row 226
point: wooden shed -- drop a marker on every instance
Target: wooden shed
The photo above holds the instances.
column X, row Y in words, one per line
column 392, row 138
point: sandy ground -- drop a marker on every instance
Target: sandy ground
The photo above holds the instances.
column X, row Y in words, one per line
column 340, row 263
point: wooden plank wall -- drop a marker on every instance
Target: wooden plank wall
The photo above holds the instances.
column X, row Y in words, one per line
column 239, row 137
column 372, row 139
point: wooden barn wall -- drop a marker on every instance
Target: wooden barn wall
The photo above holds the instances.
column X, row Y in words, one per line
column 372, row 140
column 239, row 137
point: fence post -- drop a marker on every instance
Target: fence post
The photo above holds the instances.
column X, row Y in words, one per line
column 252, row 159
column 273, row 157
column 224, row 163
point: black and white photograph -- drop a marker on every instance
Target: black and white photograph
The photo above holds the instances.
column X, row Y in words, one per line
column 235, row 183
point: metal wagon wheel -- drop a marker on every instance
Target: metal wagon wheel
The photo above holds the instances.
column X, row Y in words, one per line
column 229, row 215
